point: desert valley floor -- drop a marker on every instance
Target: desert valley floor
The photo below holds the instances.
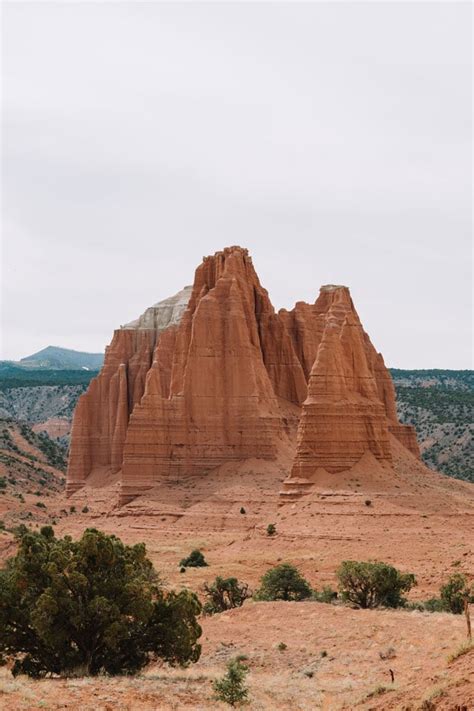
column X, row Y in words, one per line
column 335, row 657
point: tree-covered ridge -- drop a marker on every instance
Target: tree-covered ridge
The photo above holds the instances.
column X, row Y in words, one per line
column 440, row 404
column 12, row 376
column 453, row 379
column 445, row 404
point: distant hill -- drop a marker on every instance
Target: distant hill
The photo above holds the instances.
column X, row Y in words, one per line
column 53, row 357
column 13, row 375
column 440, row 404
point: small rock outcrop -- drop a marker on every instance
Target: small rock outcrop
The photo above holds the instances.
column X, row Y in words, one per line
column 208, row 377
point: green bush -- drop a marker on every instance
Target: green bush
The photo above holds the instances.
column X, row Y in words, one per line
column 434, row 604
column 271, row 529
column 47, row 531
column 92, row 606
column 452, row 594
column 231, row 688
column 327, row 594
column 85, row 509
column 373, row 584
column 284, row 582
column 194, row 560
column 225, row 594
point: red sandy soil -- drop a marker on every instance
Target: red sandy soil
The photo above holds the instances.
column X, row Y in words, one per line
column 419, row 521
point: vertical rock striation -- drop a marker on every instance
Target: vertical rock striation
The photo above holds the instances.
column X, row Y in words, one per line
column 220, row 404
column 202, row 378
column 102, row 413
column 350, row 405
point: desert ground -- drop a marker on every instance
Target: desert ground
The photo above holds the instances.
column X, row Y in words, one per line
column 335, row 657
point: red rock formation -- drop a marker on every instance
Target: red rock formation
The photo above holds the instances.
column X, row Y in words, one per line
column 193, row 384
column 221, row 405
column 102, row 413
column 350, row 407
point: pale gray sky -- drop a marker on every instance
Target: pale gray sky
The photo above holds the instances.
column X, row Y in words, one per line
column 331, row 139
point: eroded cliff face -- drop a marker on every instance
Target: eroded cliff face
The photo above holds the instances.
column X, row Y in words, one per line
column 217, row 404
column 102, row 413
column 343, row 416
column 202, row 379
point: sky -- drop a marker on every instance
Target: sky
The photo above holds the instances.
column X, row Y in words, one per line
column 333, row 140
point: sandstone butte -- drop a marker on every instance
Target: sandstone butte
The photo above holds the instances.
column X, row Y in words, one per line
column 213, row 375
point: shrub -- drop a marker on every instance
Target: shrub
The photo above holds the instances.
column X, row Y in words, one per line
column 271, row 529
column 231, row 688
column 452, row 594
column 282, row 646
column 72, row 509
column 2, row 525
column 434, row 604
column 368, row 502
column 373, row 584
column 85, row 509
column 327, row 594
column 47, row 531
column 194, row 560
column 225, row 594
column 284, row 582
column 40, row 505
column 242, row 510
column 90, row 606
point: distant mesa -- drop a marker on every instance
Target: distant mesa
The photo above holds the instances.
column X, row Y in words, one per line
column 53, row 357
column 213, row 375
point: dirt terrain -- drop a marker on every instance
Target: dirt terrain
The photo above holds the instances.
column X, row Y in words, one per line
column 335, row 657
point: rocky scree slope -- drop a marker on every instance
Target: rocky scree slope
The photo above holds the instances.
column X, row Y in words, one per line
column 32, row 470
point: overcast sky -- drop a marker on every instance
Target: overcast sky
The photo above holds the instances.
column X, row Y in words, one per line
column 331, row 139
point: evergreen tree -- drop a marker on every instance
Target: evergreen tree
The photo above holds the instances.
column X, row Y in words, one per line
column 284, row 582
column 90, row 606
column 225, row 594
column 231, row 688
column 373, row 584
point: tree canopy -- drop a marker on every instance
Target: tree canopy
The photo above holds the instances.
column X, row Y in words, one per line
column 90, row 606
column 373, row 584
column 283, row 582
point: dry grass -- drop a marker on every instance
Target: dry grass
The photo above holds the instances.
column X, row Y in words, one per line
column 463, row 649
column 379, row 690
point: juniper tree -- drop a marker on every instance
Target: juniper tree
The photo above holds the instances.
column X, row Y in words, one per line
column 90, row 606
